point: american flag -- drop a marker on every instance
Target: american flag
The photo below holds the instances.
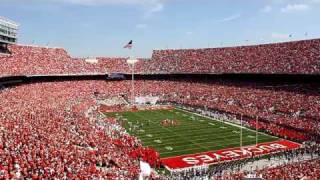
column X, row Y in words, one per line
column 129, row 45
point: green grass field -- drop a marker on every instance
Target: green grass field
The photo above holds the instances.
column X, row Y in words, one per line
column 194, row 134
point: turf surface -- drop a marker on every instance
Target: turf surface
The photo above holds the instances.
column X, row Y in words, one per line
column 194, row 133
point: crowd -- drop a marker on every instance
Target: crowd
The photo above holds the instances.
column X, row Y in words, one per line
column 300, row 57
column 32, row 60
column 294, row 164
column 289, row 57
column 54, row 130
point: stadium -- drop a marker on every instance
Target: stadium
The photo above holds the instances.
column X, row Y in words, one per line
column 238, row 112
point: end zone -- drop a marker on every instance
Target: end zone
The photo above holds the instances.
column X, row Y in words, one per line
column 214, row 157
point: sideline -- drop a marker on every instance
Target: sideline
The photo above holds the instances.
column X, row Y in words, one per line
column 227, row 122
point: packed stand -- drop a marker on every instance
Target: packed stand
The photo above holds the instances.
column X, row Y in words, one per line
column 53, row 130
column 299, row 57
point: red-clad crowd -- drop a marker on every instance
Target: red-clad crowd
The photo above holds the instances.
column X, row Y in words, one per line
column 299, row 57
column 277, row 130
column 32, row 60
column 53, row 130
column 309, row 170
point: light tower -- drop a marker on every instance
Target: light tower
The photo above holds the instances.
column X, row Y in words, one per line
column 131, row 62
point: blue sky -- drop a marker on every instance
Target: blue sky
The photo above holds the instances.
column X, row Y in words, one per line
column 103, row 27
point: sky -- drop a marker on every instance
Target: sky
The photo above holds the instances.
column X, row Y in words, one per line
column 91, row 28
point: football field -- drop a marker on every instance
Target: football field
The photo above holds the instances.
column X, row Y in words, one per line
column 186, row 133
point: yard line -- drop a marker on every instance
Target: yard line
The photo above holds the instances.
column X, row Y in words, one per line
column 221, row 136
column 192, row 136
column 226, row 122
column 184, row 138
column 213, row 141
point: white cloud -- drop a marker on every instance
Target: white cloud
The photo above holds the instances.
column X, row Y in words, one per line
column 279, row 36
column 294, row 1
column 230, row 18
column 93, row 2
column 295, row 7
column 150, row 6
column 266, row 9
column 189, row 33
column 141, row 26
column 157, row 7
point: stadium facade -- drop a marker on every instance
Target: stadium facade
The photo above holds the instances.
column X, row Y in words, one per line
column 8, row 33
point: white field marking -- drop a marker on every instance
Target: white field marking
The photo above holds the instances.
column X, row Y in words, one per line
column 222, row 135
column 232, row 124
column 237, row 132
column 202, row 146
column 169, row 148
column 212, row 141
column 158, row 141
column 223, row 145
column 189, row 124
column 180, row 136
column 216, row 140
column 191, row 131
column 218, row 133
column 212, row 124
column 197, row 148
column 249, row 136
column 184, row 126
column 223, row 127
column 149, row 135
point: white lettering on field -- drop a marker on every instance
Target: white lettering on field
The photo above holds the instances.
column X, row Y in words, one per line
column 205, row 158
column 255, row 150
column 278, row 146
column 231, row 154
column 218, row 156
column 243, row 152
column 190, row 160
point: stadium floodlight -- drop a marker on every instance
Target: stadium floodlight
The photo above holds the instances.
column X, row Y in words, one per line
column 131, row 62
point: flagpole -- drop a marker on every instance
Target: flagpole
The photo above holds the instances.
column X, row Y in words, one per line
column 132, row 83
column 257, row 131
column 241, row 131
column 131, row 63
